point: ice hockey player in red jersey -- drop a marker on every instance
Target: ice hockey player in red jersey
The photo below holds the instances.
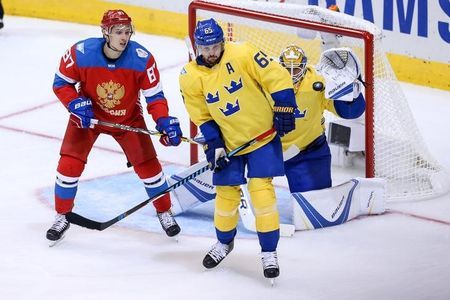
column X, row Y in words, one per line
column 102, row 78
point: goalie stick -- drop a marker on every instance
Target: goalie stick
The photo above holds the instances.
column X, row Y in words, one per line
column 77, row 219
column 139, row 130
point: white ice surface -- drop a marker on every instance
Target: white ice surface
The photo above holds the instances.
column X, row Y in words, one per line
column 392, row 256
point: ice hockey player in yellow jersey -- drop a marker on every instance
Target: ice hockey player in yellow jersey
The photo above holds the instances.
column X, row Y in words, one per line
column 224, row 91
column 306, row 151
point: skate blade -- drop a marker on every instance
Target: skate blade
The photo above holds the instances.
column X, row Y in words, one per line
column 54, row 243
column 272, row 281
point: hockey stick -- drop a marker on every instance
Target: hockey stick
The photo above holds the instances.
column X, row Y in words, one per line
column 139, row 130
column 77, row 219
column 248, row 218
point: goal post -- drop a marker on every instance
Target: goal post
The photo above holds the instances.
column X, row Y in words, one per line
column 394, row 149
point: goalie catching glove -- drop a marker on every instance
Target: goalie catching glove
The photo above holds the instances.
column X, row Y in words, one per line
column 81, row 109
column 341, row 70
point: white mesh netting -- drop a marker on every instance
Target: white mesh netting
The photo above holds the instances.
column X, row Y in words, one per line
column 400, row 155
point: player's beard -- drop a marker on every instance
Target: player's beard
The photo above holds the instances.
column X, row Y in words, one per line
column 212, row 60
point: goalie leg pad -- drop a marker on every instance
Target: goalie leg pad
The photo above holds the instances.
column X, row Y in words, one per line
column 226, row 214
column 194, row 192
column 338, row 204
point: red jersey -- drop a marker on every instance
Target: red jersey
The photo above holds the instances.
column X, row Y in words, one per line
column 112, row 85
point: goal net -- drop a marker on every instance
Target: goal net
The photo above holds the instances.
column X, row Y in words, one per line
column 394, row 148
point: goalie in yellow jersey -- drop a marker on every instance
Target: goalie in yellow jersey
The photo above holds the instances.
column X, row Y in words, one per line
column 306, row 152
column 224, row 91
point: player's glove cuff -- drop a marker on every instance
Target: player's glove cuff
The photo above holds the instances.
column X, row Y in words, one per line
column 81, row 109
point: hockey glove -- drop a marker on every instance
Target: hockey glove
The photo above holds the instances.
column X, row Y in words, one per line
column 170, row 128
column 283, row 119
column 216, row 155
column 81, row 109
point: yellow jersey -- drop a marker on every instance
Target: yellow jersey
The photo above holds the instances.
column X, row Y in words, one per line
column 309, row 119
column 233, row 93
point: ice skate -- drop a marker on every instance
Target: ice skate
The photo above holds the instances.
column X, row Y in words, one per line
column 217, row 253
column 56, row 233
column 168, row 223
column 270, row 265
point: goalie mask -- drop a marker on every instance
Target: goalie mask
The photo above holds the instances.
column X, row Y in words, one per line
column 293, row 58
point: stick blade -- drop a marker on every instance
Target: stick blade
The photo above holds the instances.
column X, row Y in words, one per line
column 76, row 219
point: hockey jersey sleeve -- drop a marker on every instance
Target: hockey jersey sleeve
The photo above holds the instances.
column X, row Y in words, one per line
column 350, row 110
column 152, row 90
column 346, row 109
column 272, row 76
column 66, row 77
column 193, row 98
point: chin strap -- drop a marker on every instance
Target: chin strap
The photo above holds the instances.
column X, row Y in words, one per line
column 113, row 49
column 109, row 45
column 106, row 36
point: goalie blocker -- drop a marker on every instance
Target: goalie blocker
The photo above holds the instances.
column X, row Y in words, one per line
column 310, row 210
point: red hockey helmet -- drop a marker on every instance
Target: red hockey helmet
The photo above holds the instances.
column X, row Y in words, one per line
column 115, row 17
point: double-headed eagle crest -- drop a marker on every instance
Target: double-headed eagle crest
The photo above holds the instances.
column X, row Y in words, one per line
column 110, row 93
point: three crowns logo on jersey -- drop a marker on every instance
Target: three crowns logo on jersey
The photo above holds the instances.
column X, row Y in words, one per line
column 230, row 108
